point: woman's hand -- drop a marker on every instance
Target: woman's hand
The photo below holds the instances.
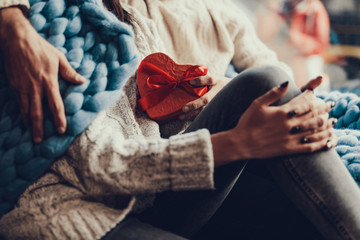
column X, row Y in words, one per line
column 312, row 84
column 32, row 66
column 215, row 84
column 263, row 131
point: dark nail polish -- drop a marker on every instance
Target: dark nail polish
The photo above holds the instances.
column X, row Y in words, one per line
column 285, row 84
column 292, row 113
column 296, row 129
column 334, row 121
column 305, row 140
column 328, row 145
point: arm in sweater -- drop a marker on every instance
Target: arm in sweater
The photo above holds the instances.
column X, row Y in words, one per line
column 109, row 161
column 249, row 50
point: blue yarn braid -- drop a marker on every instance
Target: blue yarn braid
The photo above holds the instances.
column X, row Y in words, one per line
column 347, row 111
column 100, row 48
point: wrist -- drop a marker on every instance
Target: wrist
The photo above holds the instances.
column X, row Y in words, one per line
column 227, row 148
column 12, row 23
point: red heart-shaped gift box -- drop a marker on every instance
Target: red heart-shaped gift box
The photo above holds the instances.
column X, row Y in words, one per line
column 164, row 86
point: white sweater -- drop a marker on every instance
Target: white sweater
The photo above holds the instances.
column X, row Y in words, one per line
column 118, row 164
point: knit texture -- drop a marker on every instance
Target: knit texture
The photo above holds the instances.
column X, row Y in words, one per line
column 207, row 32
column 100, row 48
column 112, row 168
column 347, row 111
column 121, row 156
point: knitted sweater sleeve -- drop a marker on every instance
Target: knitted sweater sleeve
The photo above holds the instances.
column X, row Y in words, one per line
column 113, row 157
column 24, row 4
column 249, row 50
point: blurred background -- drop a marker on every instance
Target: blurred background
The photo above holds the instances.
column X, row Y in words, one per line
column 314, row 37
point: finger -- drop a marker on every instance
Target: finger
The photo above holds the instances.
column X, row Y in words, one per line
column 312, row 109
column 316, row 137
column 56, row 106
column 312, row 84
column 67, row 72
column 273, row 95
column 196, row 104
column 304, row 103
column 332, row 142
column 202, row 81
column 324, row 144
column 37, row 117
column 317, row 123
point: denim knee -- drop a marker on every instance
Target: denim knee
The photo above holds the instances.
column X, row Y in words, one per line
column 258, row 80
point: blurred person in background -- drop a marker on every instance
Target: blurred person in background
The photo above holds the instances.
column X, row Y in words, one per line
column 309, row 33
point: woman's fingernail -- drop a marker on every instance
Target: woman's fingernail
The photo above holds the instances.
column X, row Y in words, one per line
column 292, row 113
column 185, row 109
column 305, row 140
column 285, row 84
column 182, row 117
column 334, row 121
column 37, row 139
column 328, row 145
column 296, row 129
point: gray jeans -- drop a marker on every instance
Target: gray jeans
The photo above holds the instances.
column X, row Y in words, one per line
column 318, row 185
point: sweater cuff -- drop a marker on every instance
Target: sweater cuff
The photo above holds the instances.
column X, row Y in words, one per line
column 22, row 4
column 192, row 163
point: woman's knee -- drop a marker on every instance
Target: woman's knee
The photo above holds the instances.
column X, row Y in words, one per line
column 258, row 80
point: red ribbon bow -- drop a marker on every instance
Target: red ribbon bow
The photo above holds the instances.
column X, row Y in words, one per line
column 163, row 84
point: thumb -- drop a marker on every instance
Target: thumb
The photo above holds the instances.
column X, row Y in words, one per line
column 274, row 94
column 312, row 84
column 196, row 104
column 67, row 71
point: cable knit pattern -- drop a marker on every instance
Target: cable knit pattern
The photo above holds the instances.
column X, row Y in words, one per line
column 119, row 159
column 348, row 148
column 217, row 32
column 118, row 164
column 347, row 111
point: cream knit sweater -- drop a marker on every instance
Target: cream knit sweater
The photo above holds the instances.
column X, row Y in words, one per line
column 118, row 164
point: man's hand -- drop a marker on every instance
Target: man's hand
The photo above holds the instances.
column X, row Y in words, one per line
column 32, row 66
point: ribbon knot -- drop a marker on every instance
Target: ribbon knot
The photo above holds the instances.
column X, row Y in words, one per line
column 163, row 84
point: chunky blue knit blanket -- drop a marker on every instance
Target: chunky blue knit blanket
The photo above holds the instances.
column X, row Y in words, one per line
column 100, row 48
column 347, row 129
